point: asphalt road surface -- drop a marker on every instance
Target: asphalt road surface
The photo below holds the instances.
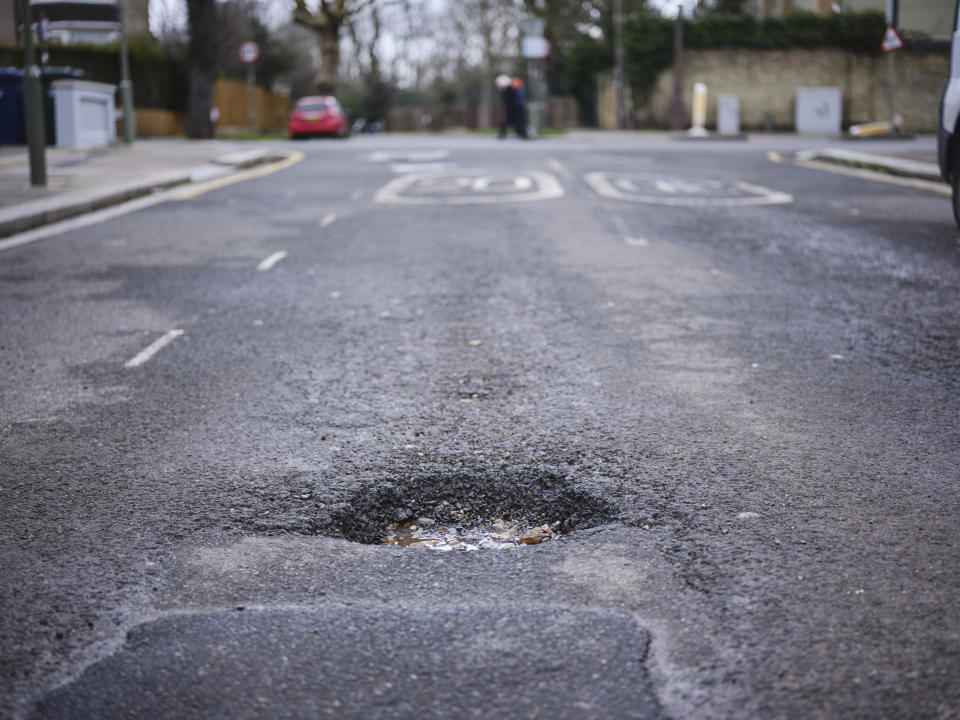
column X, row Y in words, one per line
column 730, row 384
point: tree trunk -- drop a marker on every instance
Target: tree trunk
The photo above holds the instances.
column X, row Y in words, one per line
column 329, row 40
column 201, row 15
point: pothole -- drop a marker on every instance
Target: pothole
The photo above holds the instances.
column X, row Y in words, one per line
column 459, row 534
column 469, row 511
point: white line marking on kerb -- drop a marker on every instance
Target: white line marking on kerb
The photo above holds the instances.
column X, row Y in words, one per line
column 269, row 262
column 153, row 348
column 328, row 220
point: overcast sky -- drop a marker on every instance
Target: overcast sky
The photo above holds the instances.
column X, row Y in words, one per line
column 277, row 12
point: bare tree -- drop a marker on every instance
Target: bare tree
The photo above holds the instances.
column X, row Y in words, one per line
column 326, row 22
column 485, row 29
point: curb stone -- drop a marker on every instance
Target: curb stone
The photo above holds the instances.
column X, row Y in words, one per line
column 55, row 209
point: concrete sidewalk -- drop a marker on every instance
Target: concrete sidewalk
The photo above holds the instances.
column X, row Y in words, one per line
column 80, row 181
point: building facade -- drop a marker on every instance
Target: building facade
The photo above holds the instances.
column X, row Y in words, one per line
column 77, row 21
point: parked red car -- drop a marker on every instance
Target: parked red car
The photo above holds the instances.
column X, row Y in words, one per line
column 318, row 115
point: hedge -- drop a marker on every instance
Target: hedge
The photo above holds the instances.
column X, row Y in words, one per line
column 159, row 78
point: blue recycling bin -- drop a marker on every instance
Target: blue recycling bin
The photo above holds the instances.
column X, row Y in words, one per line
column 12, row 130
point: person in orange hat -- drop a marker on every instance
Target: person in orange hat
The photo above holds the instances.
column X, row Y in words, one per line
column 520, row 117
column 514, row 106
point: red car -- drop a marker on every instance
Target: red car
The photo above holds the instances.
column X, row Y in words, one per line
column 318, row 115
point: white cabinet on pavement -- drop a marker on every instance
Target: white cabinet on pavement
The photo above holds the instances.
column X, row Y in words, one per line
column 84, row 113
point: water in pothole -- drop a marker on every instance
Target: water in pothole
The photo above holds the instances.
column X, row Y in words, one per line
column 498, row 534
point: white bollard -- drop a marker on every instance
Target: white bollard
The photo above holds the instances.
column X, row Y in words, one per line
column 699, row 111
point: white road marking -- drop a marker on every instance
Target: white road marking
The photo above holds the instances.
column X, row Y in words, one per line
column 409, row 156
column 661, row 185
column 155, row 198
column 753, row 194
column 452, row 187
column 65, row 226
column 401, row 168
column 627, row 185
column 269, row 262
column 559, row 168
column 621, row 224
column 637, row 242
column 153, row 348
column 328, row 220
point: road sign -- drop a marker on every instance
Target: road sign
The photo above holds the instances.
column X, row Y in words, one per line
column 532, row 26
column 248, row 52
column 891, row 40
column 535, row 48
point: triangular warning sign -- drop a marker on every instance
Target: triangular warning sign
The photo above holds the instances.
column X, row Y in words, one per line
column 891, row 41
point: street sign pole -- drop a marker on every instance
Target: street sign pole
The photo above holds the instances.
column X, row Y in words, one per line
column 249, row 53
column 252, row 99
column 891, row 62
column 126, row 86
column 618, row 60
column 33, row 103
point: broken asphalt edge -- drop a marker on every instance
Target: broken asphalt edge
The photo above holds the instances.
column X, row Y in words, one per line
column 51, row 210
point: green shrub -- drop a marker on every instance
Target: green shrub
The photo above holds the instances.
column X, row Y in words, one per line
column 159, row 78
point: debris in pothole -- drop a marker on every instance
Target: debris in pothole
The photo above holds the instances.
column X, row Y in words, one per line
column 497, row 534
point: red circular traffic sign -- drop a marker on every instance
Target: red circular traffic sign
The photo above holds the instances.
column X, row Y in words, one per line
column 248, row 52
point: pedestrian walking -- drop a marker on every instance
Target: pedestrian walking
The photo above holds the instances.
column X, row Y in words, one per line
column 513, row 98
column 520, row 94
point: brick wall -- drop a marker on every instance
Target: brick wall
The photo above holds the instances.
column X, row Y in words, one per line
column 766, row 82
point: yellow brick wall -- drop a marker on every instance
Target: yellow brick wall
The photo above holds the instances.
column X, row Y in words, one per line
column 766, row 82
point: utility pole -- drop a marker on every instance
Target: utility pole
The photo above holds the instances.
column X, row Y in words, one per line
column 892, row 12
column 33, row 103
column 678, row 113
column 618, row 60
column 126, row 86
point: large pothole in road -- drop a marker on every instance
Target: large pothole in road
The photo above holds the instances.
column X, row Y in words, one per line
column 467, row 512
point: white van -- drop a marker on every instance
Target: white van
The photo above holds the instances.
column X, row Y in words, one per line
column 948, row 139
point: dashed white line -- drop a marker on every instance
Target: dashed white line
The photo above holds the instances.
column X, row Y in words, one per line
column 153, row 348
column 269, row 262
column 637, row 242
column 327, row 220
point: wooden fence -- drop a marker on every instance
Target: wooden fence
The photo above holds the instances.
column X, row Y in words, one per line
column 231, row 100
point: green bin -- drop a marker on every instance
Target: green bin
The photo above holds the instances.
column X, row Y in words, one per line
column 47, row 76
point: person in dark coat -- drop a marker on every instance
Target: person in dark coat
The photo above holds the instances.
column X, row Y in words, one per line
column 513, row 101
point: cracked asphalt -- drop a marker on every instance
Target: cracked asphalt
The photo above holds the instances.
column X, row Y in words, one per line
column 733, row 382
